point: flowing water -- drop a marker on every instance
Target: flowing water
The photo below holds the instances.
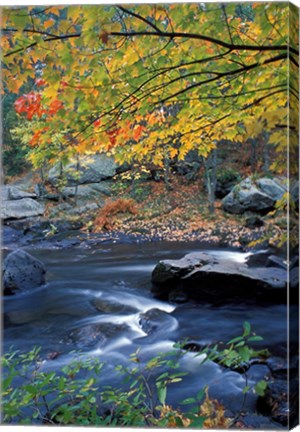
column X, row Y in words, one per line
column 93, row 301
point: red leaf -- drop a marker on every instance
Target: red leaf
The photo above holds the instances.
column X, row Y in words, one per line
column 40, row 82
column 55, row 106
column 97, row 123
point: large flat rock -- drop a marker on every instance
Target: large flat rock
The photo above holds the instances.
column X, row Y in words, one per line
column 203, row 277
column 20, row 208
column 9, row 192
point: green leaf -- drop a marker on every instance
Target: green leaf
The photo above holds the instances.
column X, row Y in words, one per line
column 188, row 401
column 260, row 387
column 245, row 353
column 246, row 389
column 247, row 328
column 162, row 393
column 234, row 340
column 255, row 338
column 200, row 395
column 197, row 423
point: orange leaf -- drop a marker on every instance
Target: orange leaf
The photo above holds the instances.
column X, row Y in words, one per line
column 138, row 130
column 48, row 23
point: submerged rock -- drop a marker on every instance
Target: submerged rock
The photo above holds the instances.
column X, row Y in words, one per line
column 22, row 272
column 155, row 319
column 203, row 277
column 95, row 334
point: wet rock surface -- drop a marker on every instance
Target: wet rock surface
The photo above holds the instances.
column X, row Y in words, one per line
column 22, row 272
column 204, row 277
column 106, row 306
column 155, row 319
column 95, row 334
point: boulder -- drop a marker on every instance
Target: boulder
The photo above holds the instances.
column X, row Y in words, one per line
column 91, row 169
column 21, row 208
column 22, row 272
column 203, row 277
column 87, row 191
column 95, row 334
column 156, row 319
column 259, row 196
column 14, row 193
column 271, row 187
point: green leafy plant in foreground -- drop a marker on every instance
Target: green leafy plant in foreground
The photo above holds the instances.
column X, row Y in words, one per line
column 239, row 355
column 31, row 394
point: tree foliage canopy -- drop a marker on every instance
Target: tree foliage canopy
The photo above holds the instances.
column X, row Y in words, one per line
column 146, row 82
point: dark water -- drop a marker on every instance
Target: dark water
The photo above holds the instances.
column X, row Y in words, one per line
column 92, row 303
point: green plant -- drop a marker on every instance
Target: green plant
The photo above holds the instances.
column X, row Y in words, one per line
column 238, row 355
column 48, row 397
column 72, row 395
column 228, row 175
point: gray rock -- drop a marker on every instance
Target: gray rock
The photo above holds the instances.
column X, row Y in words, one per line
column 271, row 187
column 92, row 169
column 249, row 196
column 274, row 260
column 88, row 191
column 156, row 319
column 60, row 208
column 21, row 208
column 169, row 271
column 83, row 209
column 14, row 193
column 95, row 334
column 203, row 277
column 22, row 272
column 108, row 306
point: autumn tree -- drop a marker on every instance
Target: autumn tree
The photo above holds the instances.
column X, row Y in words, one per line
column 152, row 82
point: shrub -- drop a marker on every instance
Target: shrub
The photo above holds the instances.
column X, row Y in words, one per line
column 105, row 219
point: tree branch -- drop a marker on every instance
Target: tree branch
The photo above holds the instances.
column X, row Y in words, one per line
column 230, row 46
column 245, row 68
column 139, row 17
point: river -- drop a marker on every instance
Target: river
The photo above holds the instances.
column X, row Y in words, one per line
column 97, row 301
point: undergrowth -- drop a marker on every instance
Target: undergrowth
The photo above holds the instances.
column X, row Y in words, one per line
column 105, row 218
column 31, row 394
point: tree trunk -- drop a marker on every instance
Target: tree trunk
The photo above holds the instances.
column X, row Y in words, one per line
column 210, row 166
column 76, row 186
column 167, row 171
column 253, row 157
